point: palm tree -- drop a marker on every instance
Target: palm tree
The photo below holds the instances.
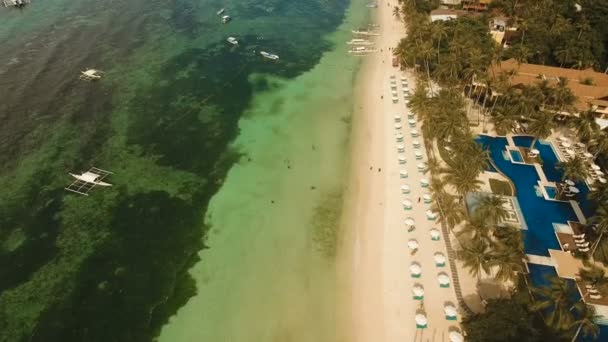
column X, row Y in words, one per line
column 490, row 209
column 438, row 32
column 585, row 322
column 595, row 276
column 509, row 262
column 450, row 211
column 476, row 228
column 396, row 12
column 574, row 169
column 600, row 220
column 599, row 193
column 599, row 143
column 463, row 177
column 585, row 125
column 555, row 299
column 541, row 126
column 475, row 255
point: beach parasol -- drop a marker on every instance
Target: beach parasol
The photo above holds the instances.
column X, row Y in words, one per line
column 405, row 189
column 427, row 198
column 595, row 167
column 418, row 154
column 407, row 204
column 570, row 151
column 602, row 180
column 416, row 143
column 455, row 336
column 412, row 244
column 439, row 259
column 397, row 118
column 569, row 182
column 444, row 280
column 415, row 270
column 400, row 147
column 566, row 144
column 399, row 137
column 418, row 291
column 587, row 155
column 424, row 182
column 563, row 139
column 580, row 144
column 412, row 122
column 414, row 132
column 421, row 321
column 574, row 189
column 409, row 221
column 450, row 311
column 402, row 160
column 435, row 235
column 411, row 115
column 398, row 126
column 403, row 174
column 431, row 215
column 421, row 166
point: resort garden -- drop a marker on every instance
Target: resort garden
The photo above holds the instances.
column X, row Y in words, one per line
column 455, row 98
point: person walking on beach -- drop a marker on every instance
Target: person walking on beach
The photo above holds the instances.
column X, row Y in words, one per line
column 418, row 199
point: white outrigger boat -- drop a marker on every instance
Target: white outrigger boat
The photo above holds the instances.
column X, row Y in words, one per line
column 88, row 180
column 358, row 41
column 91, row 75
column 365, row 33
column 232, row 41
column 15, row 3
column 269, row 55
column 226, row 19
column 361, row 50
column 221, row 11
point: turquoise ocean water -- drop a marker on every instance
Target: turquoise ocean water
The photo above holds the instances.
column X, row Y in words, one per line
column 228, row 169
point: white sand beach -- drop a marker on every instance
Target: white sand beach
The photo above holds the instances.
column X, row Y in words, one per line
column 383, row 305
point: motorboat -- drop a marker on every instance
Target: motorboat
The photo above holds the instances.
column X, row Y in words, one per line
column 361, row 50
column 269, row 55
column 365, row 33
column 358, row 41
column 221, row 11
column 232, row 41
column 226, row 19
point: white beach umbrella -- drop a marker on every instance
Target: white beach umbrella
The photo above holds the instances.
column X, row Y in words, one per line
column 411, row 115
column 400, row 147
column 403, row 174
column 569, row 182
column 595, row 167
column 418, row 154
column 409, row 221
column 574, row 189
column 416, row 143
column 399, row 137
column 412, row 244
column 402, row 160
column 415, row 268
column 397, row 118
column 418, row 290
column 455, row 336
column 435, row 235
column 398, row 126
column 421, row 166
column 566, row 144
column 587, row 155
column 427, row 198
column 411, row 121
column 602, row 180
column 443, row 279
column 414, row 132
column 431, row 215
column 570, row 151
column 405, row 189
column 421, row 320
column 439, row 258
column 424, row 182
column 407, row 204
column 394, row 93
column 450, row 310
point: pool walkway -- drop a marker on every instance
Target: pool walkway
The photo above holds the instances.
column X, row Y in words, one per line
column 540, row 260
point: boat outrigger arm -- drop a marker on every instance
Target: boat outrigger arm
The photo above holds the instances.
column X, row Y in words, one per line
column 86, row 181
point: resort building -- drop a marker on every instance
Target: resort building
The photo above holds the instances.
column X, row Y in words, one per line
column 451, row 2
column 589, row 86
column 476, row 5
column 443, row 14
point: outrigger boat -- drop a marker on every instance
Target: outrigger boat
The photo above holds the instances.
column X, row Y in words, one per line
column 15, row 3
column 226, row 19
column 232, row 41
column 361, row 50
column 365, row 33
column 359, row 42
column 220, row 12
column 269, row 55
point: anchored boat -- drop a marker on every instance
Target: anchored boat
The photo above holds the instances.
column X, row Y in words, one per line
column 269, row 55
column 232, row 41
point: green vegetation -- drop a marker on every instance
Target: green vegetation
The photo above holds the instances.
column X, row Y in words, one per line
column 500, row 187
column 326, row 224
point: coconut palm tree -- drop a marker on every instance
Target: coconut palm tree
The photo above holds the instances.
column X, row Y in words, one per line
column 574, row 169
column 490, row 209
column 463, row 177
column 599, row 193
column 600, row 221
column 555, row 300
column 541, row 126
column 595, row 276
column 450, row 211
column 599, row 143
column 585, row 321
column 509, row 263
column 397, row 12
column 585, row 125
column 475, row 228
column 475, row 255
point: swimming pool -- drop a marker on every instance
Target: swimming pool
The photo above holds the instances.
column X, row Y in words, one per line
column 516, row 156
column 551, row 192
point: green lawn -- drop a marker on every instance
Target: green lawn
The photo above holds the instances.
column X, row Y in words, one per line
column 500, row 187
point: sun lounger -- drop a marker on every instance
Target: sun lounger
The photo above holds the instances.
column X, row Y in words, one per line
column 588, row 286
column 583, row 245
column 593, row 290
column 584, row 250
column 579, row 236
column 595, row 296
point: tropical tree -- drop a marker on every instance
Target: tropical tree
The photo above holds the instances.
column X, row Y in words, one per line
column 509, row 263
column 476, row 228
column 574, row 169
column 475, row 255
column 585, row 321
column 599, row 143
column 540, row 126
column 600, row 223
column 490, row 209
column 595, row 276
column 599, row 193
column 450, row 211
column 585, row 125
column 463, row 177
column 555, row 301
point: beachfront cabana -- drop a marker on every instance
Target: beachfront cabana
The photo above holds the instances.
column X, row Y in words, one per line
column 402, row 159
column 412, row 244
column 418, row 291
column 418, row 155
column 456, row 336
column 435, row 235
column 415, row 270
column 399, row 137
column 439, row 259
column 421, row 321
column 431, row 215
column 424, row 182
column 407, row 204
column 450, row 311
column 443, row 279
column 427, row 198
column 405, row 189
column 403, row 174
column 400, row 148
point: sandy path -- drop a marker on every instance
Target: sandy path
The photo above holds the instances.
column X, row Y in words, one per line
column 383, row 307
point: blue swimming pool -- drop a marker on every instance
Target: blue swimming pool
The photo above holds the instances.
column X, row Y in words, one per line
column 516, row 156
column 551, row 192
